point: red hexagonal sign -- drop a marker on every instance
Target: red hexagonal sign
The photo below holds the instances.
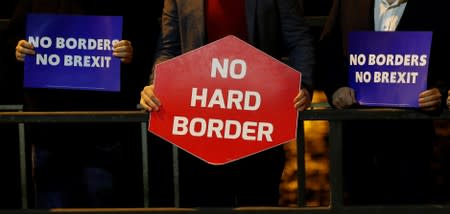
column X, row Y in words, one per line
column 225, row 101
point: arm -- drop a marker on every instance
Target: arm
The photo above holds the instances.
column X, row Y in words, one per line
column 298, row 40
column 332, row 62
column 299, row 44
column 169, row 46
column 434, row 98
column 169, row 43
column 16, row 31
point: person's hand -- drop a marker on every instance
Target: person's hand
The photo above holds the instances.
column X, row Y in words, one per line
column 149, row 101
column 430, row 99
column 24, row 48
column 123, row 50
column 303, row 100
column 343, row 98
column 448, row 99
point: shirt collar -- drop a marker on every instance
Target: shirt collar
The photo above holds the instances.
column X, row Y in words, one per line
column 394, row 4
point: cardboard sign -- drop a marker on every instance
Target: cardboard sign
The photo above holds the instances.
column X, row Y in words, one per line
column 225, row 101
column 389, row 68
column 73, row 52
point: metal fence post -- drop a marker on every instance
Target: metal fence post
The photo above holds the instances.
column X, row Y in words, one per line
column 22, row 156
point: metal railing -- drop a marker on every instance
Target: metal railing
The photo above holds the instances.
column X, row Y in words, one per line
column 22, row 155
column 335, row 118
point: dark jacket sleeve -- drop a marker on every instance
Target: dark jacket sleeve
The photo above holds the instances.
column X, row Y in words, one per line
column 330, row 54
column 169, row 43
column 16, row 27
column 298, row 41
column 15, row 32
column 438, row 71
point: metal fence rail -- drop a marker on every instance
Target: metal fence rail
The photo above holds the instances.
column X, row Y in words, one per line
column 335, row 117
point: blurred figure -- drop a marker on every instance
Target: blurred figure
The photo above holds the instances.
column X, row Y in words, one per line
column 10, row 94
column 382, row 163
column 275, row 27
column 88, row 165
column 448, row 99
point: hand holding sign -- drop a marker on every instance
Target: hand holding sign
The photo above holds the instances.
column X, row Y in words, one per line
column 149, row 101
column 344, row 97
column 303, row 100
column 123, row 50
column 73, row 52
column 24, row 48
column 430, row 100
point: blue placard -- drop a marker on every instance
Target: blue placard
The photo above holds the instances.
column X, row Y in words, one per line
column 389, row 68
column 73, row 52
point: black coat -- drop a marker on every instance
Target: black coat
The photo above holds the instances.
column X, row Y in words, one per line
column 385, row 161
column 355, row 15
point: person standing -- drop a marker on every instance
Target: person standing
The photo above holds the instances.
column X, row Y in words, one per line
column 88, row 165
column 385, row 162
column 273, row 26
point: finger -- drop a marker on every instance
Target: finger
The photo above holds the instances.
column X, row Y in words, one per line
column 24, row 50
column 300, row 103
column 338, row 103
column 153, row 105
column 352, row 97
column 144, row 105
column 303, row 104
column 347, row 101
column 151, row 101
column 123, row 48
column 20, row 57
column 432, row 104
column 124, row 57
column 148, row 104
column 155, row 101
column 145, row 99
column 431, row 94
column 429, row 104
column 122, row 43
column 25, row 44
column 301, row 108
column 122, row 54
column 25, row 47
column 430, row 98
column 298, row 97
column 428, row 92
